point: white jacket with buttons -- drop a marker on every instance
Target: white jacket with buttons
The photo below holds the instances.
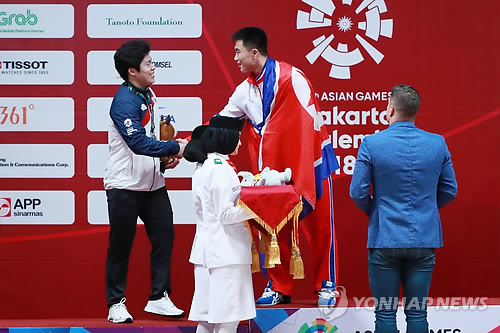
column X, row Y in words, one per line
column 222, row 237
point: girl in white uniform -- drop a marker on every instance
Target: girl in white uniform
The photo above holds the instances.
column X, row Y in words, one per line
column 221, row 251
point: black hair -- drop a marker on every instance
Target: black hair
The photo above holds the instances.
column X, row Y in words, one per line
column 130, row 55
column 405, row 99
column 252, row 38
column 220, row 136
column 221, row 140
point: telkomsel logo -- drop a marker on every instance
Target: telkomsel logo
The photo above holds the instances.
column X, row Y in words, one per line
column 345, row 51
column 163, row 64
column 18, row 19
column 4, row 207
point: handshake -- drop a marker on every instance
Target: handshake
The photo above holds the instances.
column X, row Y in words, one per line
column 171, row 162
column 168, row 132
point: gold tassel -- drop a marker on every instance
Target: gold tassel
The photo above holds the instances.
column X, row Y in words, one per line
column 264, row 243
column 255, row 259
column 274, row 251
column 297, row 264
column 266, row 261
column 293, row 263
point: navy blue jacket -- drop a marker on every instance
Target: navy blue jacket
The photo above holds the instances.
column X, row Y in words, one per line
column 133, row 153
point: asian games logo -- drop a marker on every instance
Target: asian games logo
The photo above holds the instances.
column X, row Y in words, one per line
column 320, row 326
column 5, row 207
column 339, row 40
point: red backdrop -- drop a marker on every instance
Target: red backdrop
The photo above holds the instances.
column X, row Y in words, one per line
column 448, row 49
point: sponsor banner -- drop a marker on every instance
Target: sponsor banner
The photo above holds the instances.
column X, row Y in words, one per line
column 98, row 156
column 40, row 114
column 36, row 67
column 37, row 207
column 37, row 161
column 185, row 112
column 361, row 320
column 172, row 67
column 98, row 113
column 144, row 21
column 181, row 202
column 37, row 21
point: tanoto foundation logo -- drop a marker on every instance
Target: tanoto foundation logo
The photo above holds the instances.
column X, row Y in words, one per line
column 346, row 32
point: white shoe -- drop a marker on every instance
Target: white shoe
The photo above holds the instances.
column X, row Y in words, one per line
column 163, row 307
column 118, row 313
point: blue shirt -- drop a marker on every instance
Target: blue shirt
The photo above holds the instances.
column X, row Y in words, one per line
column 411, row 176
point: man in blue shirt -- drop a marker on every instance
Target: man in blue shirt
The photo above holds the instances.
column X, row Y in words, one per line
column 403, row 175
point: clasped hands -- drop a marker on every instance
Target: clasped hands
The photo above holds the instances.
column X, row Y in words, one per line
column 171, row 162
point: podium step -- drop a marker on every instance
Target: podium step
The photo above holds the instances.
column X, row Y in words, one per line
column 446, row 315
column 79, row 325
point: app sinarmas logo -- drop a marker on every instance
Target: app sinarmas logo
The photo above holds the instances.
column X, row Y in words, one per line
column 4, row 207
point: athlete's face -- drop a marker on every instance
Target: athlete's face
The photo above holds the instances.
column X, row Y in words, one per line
column 146, row 75
column 244, row 57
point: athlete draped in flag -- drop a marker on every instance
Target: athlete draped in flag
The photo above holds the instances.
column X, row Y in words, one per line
column 288, row 132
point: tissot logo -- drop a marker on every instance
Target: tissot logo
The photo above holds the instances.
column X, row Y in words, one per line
column 36, row 67
column 342, row 43
column 5, row 207
column 18, row 19
column 19, row 64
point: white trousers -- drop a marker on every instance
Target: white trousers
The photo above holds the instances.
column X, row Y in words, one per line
column 222, row 294
column 204, row 327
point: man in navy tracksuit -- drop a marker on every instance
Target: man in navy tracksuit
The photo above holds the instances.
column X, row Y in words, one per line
column 135, row 186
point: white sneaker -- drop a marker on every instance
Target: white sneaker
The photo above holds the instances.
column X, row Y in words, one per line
column 118, row 313
column 163, row 307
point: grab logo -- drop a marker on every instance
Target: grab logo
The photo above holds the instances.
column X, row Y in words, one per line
column 346, row 33
column 4, row 207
